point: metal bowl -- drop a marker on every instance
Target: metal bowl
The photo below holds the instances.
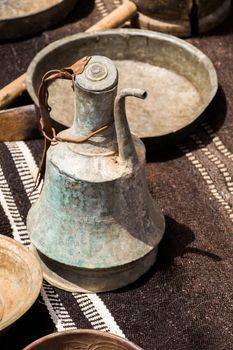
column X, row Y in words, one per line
column 20, row 281
column 84, row 339
column 181, row 17
column 27, row 17
column 180, row 80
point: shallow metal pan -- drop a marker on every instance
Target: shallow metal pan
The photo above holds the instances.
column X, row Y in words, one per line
column 180, row 80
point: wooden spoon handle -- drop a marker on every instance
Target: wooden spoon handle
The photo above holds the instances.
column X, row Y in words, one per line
column 19, row 123
column 13, row 90
column 115, row 18
column 124, row 12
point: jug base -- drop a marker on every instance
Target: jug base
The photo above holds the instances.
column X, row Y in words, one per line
column 84, row 280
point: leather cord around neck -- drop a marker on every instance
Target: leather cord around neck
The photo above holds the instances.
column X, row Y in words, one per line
column 45, row 121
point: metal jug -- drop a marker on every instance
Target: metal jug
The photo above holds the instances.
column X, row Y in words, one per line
column 95, row 227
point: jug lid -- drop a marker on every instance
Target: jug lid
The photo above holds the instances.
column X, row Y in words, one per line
column 100, row 74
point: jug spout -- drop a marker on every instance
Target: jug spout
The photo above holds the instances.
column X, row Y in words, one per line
column 126, row 147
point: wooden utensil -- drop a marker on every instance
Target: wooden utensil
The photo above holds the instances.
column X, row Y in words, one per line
column 19, row 123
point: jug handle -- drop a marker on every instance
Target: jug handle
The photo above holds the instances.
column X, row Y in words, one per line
column 125, row 142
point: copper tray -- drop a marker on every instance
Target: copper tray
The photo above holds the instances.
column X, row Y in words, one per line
column 20, row 281
column 26, row 17
column 84, row 339
column 180, row 80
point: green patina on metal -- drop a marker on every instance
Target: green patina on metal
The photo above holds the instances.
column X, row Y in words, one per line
column 95, row 225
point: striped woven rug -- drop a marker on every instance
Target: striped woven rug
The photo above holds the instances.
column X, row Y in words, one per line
column 185, row 301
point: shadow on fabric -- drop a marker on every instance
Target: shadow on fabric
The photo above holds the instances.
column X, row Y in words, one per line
column 175, row 243
column 82, row 9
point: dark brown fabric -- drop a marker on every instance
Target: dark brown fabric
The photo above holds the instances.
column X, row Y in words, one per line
column 185, row 301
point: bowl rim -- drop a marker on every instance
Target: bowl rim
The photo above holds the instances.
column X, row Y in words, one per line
column 32, row 14
column 84, row 331
column 37, row 278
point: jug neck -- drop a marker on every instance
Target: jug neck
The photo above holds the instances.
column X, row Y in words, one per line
column 92, row 110
column 95, row 91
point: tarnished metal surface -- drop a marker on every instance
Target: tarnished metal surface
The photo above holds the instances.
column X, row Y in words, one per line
column 106, row 227
column 181, row 17
column 212, row 13
column 180, row 79
column 26, row 17
column 20, row 281
column 82, row 340
column 165, row 9
column 1, row 308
